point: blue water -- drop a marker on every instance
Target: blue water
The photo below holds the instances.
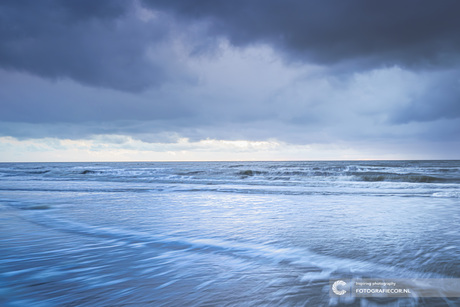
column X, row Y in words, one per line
column 223, row 233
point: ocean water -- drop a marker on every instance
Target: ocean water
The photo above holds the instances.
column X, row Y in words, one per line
column 223, row 233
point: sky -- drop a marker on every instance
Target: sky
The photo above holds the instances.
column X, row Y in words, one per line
column 182, row 80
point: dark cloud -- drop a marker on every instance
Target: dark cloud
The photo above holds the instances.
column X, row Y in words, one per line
column 98, row 43
column 102, row 43
column 412, row 33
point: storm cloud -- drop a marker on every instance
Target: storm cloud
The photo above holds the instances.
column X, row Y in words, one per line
column 410, row 33
column 296, row 72
column 102, row 43
column 97, row 43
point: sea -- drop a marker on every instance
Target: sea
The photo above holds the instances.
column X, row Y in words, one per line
column 224, row 233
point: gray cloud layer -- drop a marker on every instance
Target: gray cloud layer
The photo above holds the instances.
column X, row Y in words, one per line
column 133, row 67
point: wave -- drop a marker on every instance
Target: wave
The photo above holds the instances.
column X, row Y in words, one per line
column 448, row 194
column 394, row 177
column 251, row 173
column 349, row 175
column 88, row 171
column 303, row 260
column 247, row 173
column 169, row 258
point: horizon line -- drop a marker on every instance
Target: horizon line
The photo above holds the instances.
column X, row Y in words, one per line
column 228, row 161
